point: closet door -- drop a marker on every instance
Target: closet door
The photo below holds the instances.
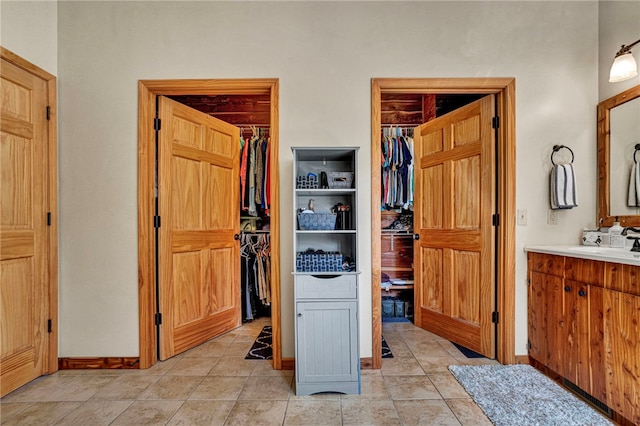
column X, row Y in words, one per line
column 198, row 204
column 454, row 202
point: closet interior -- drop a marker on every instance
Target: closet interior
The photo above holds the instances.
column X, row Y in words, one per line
column 251, row 113
column 400, row 113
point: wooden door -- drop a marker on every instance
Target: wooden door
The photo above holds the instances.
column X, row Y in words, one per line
column 454, row 202
column 24, row 277
column 199, row 259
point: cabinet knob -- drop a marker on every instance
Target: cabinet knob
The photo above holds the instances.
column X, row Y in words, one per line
column 567, row 288
column 582, row 293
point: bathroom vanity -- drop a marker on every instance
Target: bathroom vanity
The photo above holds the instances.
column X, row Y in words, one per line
column 584, row 321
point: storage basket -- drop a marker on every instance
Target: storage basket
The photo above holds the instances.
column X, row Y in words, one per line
column 340, row 180
column 317, row 221
column 319, row 262
column 307, row 182
column 388, row 306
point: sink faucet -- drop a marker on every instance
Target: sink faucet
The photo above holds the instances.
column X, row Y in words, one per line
column 629, row 228
column 636, row 243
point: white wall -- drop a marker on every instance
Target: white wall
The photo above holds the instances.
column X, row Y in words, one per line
column 325, row 55
column 30, row 29
column 619, row 23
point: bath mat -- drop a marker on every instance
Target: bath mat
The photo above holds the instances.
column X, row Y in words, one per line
column 261, row 348
column 467, row 352
column 386, row 351
column 519, row 395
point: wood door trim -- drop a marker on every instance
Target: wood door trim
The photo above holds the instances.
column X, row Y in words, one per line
column 504, row 88
column 52, row 198
column 147, row 92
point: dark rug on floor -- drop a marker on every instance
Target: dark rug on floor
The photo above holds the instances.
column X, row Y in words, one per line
column 386, row 351
column 261, row 348
column 395, row 319
column 468, row 352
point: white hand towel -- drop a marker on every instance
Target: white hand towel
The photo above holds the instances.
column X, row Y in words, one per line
column 637, row 178
column 571, row 194
column 632, row 196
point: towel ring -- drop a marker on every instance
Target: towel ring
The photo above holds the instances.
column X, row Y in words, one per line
column 637, row 148
column 557, row 148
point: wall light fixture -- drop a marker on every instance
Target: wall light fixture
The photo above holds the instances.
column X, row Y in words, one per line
column 624, row 65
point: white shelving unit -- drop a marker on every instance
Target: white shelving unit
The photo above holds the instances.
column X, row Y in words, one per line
column 326, row 272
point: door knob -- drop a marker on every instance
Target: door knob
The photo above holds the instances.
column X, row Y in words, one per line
column 236, row 237
column 299, row 314
column 416, row 236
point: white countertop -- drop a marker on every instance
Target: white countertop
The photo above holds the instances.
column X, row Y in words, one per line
column 603, row 253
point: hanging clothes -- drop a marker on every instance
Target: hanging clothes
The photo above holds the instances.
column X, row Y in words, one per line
column 255, row 173
column 255, row 275
column 397, row 168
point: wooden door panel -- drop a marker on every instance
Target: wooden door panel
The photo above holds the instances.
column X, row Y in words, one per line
column 431, row 271
column 455, row 199
column 465, row 299
column 433, row 208
column 199, row 208
column 466, row 193
column 24, row 280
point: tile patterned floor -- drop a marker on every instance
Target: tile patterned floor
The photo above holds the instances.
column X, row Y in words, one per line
column 213, row 384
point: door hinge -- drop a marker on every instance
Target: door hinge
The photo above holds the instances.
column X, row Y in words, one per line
column 48, row 218
column 528, row 281
column 495, row 122
column 528, row 345
column 157, row 124
column 48, row 112
column 494, row 317
column 495, row 220
column 156, row 221
column 49, row 326
column 158, row 318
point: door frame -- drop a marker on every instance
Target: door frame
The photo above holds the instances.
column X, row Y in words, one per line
column 51, row 363
column 504, row 89
column 147, row 92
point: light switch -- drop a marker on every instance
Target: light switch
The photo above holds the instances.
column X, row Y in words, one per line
column 522, row 217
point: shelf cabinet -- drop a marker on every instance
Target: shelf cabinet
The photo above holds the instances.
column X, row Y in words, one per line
column 326, row 270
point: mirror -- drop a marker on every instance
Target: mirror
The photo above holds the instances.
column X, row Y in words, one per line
column 618, row 135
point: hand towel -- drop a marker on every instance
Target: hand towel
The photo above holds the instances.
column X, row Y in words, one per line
column 562, row 187
column 632, row 197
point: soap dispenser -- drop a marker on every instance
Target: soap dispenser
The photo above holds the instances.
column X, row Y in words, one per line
column 616, row 239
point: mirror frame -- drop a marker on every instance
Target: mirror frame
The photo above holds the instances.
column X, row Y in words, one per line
column 604, row 113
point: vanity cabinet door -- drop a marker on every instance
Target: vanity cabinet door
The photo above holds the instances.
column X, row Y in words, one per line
column 537, row 316
column 622, row 353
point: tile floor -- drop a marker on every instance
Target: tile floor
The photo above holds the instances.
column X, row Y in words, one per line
column 213, row 384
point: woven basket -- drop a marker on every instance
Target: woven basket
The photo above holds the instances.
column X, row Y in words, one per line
column 317, row 221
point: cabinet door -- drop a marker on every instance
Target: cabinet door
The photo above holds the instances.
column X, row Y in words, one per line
column 622, row 349
column 575, row 334
column 327, row 349
column 537, row 316
column 555, row 323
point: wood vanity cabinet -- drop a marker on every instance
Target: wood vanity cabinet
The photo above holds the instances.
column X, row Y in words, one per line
column 584, row 324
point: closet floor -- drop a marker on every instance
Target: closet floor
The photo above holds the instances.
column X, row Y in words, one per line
column 213, row 384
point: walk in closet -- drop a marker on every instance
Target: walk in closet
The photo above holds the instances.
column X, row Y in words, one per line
column 400, row 114
column 251, row 113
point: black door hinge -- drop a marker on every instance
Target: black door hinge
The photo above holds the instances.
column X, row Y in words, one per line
column 158, row 318
column 494, row 317
column 156, row 124
column 48, row 218
column 528, row 345
column 528, row 281
column 156, row 221
column 495, row 122
column 495, row 220
column 49, row 326
column 48, row 112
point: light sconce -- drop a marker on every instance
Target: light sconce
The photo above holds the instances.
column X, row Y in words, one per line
column 624, row 65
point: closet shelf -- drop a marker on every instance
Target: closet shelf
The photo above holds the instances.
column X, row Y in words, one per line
column 339, row 191
column 396, row 287
column 396, row 269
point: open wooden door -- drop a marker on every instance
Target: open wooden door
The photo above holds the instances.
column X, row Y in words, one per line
column 27, row 238
column 198, row 205
column 454, row 204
